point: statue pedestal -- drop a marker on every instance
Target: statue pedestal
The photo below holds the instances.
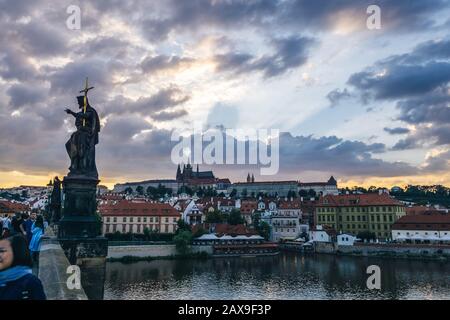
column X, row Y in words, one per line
column 80, row 205
column 79, row 233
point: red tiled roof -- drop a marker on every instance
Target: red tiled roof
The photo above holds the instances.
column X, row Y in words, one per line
column 423, row 222
column 368, row 199
column 12, row 207
column 289, row 204
column 248, row 207
column 130, row 208
column 417, row 210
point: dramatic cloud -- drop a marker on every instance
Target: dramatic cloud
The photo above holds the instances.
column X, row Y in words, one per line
column 397, row 130
column 289, row 53
column 419, row 83
column 157, row 66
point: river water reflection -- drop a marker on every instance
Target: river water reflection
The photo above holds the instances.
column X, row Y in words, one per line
column 286, row 276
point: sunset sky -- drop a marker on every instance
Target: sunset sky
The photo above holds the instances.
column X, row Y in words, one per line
column 370, row 107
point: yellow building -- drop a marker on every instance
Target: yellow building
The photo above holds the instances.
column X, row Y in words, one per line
column 356, row 213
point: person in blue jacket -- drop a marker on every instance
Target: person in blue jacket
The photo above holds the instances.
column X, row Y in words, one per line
column 16, row 279
column 28, row 223
column 37, row 232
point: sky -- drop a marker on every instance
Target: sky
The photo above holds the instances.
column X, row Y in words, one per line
column 368, row 106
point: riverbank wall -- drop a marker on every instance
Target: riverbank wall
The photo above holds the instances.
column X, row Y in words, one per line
column 152, row 251
column 396, row 251
column 414, row 251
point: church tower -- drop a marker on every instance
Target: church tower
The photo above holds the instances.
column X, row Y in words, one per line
column 253, row 178
column 248, row 177
column 179, row 176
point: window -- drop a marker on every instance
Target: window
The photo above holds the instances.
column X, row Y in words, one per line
column 167, row 219
column 378, row 218
column 107, row 220
column 145, row 219
column 139, row 219
column 131, row 219
column 115, row 219
column 124, row 219
column 358, row 218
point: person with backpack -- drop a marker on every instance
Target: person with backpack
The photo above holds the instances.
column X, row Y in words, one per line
column 17, row 225
column 37, row 231
column 16, row 279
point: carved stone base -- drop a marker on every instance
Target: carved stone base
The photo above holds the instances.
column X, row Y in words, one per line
column 79, row 213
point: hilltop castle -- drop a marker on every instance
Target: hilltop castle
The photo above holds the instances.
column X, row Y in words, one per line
column 188, row 174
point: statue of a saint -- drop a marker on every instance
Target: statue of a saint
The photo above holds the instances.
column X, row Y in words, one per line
column 81, row 145
column 55, row 201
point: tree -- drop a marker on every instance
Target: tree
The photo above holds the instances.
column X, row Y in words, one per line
column 311, row 193
column 366, row 235
column 264, row 230
column 303, row 193
column 233, row 193
column 256, row 219
column 140, row 190
column 152, row 192
column 200, row 192
column 182, row 226
column 235, row 217
column 291, row 194
column 244, row 192
column 201, row 231
column 128, row 190
column 182, row 241
column 147, row 233
column 185, row 189
column 214, row 217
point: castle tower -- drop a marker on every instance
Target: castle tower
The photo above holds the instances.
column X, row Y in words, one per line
column 253, row 178
column 248, row 177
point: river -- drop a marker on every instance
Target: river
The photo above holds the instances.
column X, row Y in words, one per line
column 286, row 276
